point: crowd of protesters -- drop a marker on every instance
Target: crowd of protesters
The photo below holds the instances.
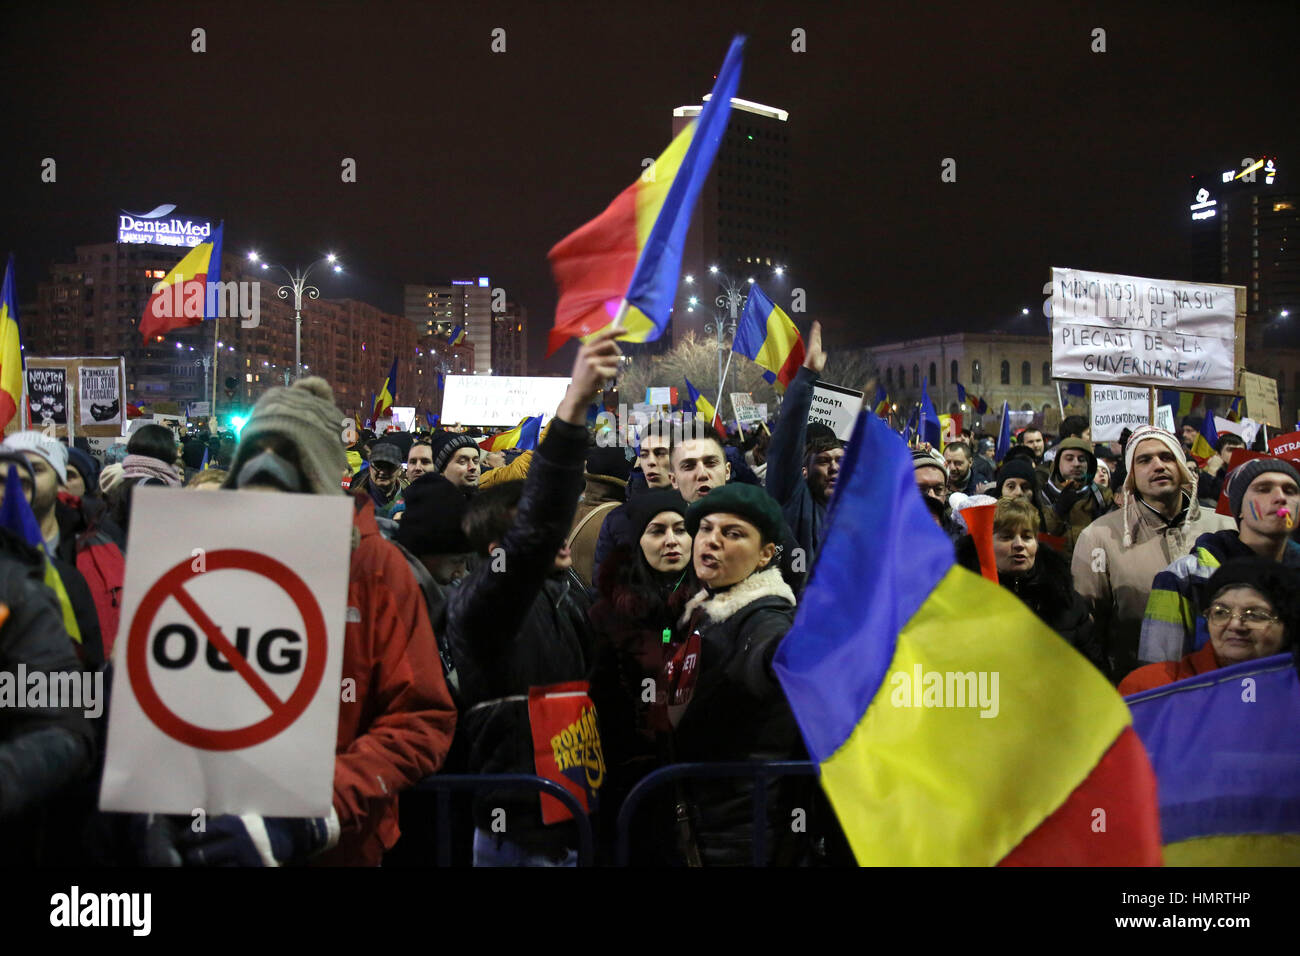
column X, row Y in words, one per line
column 657, row 580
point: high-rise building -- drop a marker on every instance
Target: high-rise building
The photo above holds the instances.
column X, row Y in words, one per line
column 1244, row 229
column 510, row 341
column 439, row 309
column 743, row 221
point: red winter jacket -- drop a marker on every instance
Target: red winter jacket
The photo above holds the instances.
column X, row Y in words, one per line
column 396, row 727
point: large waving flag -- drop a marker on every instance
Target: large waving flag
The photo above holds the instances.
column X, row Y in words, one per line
column 1004, row 433
column 951, row 726
column 766, row 336
column 632, row 252
column 1223, row 745
column 387, row 394
column 1206, row 440
column 523, row 436
column 186, row 295
column 16, row 515
column 11, row 350
column 931, row 429
column 702, row 406
column 457, row 335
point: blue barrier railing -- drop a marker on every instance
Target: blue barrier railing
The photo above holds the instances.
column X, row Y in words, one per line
column 760, row 770
column 443, row 784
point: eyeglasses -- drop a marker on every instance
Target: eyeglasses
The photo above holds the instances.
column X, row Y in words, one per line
column 1220, row 616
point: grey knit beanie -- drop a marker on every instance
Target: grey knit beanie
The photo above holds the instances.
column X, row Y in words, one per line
column 305, row 414
column 1240, row 478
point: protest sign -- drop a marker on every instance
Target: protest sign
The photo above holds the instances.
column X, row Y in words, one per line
column 1159, row 332
column 746, row 410
column 403, row 417
column 1260, row 393
column 99, row 395
column 47, row 396
column 226, row 691
column 660, row 396
column 1165, row 418
column 835, row 406
column 760, row 410
column 195, row 410
column 1115, row 408
column 496, row 400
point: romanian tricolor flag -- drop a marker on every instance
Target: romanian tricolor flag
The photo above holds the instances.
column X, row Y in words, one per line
column 951, row 726
column 766, row 336
column 457, row 335
column 186, row 295
column 630, row 255
column 1206, row 440
column 1234, row 410
column 11, row 350
column 882, row 402
column 523, row 436
column 1004, row 433
column 1223, row 745
column 387, row 394
column 703, row 406
column 1183, row 403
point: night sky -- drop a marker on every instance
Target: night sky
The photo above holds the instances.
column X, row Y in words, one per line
column 475, row 163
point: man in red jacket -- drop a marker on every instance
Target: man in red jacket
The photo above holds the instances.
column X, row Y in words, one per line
column 396, row 718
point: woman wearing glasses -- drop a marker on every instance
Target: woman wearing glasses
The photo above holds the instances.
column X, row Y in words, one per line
column 1251, row 614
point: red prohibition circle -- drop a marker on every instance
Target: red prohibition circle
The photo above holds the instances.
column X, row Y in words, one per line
column 169, row 585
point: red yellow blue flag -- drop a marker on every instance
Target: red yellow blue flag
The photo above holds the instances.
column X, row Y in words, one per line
column 951, row 726
column 387, row 394
column 1223, row 745
column 11, row 350
column 186, row 295
column 766, row 336
column 632, row 252
column 523, row 436
column 704, row 407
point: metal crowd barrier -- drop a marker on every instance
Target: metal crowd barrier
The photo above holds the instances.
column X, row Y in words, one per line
column 762, row 771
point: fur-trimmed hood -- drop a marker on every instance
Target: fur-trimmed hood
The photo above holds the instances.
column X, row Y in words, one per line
column 719, row 607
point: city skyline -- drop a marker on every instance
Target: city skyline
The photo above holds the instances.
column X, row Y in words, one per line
column 1064, row 156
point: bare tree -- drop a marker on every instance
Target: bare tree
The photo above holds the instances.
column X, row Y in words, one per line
column 697, row 359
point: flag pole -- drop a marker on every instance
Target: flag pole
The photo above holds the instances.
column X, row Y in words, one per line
column 216, row 335
column 721, row 384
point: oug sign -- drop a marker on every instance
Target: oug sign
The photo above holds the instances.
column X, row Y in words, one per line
column 159, row 228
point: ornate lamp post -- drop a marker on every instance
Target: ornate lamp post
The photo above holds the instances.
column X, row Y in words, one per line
column 298, row 286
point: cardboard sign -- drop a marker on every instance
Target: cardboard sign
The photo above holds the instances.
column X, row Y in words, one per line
column 1165, row 418
column 99, row 395
column 746, row 410
column 1163, row 333
column 1115, row 408
column 226, row 691
column 90, row 390
column 496, row 400
column 835, row 406
column 1260, row 393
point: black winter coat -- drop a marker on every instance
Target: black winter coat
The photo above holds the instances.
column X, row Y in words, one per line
column 1048, row 590
column 737, row 712
column 512, row 625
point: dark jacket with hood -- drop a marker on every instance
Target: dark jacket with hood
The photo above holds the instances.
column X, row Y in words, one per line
column 43, row 750
column 1047, row 589
column 1068, row 511
column 737, row 712
column 513, row 625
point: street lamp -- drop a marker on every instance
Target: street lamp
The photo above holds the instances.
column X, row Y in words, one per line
column 298, row 285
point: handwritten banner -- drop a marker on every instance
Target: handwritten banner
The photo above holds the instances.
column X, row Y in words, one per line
column 1115, row 408
column 1162, row 333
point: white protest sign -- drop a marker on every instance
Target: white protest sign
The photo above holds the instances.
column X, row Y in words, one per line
column 198, row 409
column 1115, row 408
column 1158, row 332
column 835, row 406
column 496, row 400
column 226, row 690
column 1222, row 425
column 659, row 395
column 99, row 391
column 1165, row 418
column 743, row 405
column 1260, row 393
column 403, row 417
column 760, row 412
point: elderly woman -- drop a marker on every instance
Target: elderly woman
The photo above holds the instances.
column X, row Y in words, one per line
column 1252, row 613
column 1037, row 575
column 723, row 701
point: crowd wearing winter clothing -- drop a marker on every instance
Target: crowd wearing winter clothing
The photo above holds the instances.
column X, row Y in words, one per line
column 642, row 588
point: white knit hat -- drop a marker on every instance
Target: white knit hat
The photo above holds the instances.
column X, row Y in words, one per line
column 51, row 449
column 1170, row 441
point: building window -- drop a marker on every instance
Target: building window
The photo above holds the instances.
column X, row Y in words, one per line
column 1026, row 376
column 1006, row 372
column 976, row 374
column 952, row 373
column 933, row 380
column 1047, row 373
column 902, row 377
column 916, row 376
column 889, row 379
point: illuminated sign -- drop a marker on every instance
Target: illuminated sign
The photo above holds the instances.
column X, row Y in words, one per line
column 462, row 281
column 483, row 282
column 159, row 228
column 1202, row 208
